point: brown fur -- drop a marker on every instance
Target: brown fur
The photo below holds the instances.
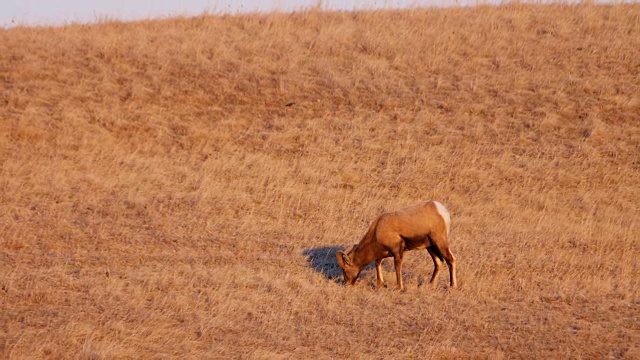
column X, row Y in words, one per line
column 391, row 234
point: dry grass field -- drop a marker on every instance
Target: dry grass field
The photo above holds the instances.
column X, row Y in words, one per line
column 179, row 188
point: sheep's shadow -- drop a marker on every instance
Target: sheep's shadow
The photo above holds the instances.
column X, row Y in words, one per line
column 323, row 260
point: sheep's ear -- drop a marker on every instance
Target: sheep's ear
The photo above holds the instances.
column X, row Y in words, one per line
column 339, row 258
column 346, row 259
column 352, row 249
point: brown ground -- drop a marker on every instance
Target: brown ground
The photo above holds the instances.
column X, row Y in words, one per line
column 159, row 199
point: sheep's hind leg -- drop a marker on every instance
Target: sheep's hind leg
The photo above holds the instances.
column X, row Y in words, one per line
column 442, row 245
column 437, row 266
column 451, row 263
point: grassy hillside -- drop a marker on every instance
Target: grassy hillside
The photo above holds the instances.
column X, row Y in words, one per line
column 180, row 187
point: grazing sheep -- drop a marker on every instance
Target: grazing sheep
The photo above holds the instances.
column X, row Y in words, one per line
column 423, row 226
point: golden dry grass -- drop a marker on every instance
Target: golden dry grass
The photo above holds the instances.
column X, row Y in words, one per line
column 160, row 200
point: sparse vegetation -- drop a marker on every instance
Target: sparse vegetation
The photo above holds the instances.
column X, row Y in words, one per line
column 160, row 200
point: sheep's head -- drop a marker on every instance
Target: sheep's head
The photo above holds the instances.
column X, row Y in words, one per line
column 350, row 270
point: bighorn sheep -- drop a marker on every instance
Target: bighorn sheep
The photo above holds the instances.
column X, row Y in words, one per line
column 423, row 226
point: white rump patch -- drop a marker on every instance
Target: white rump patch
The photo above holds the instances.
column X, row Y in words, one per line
column 445, row 215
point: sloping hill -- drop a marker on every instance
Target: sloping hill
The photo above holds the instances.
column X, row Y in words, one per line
column 180, row 187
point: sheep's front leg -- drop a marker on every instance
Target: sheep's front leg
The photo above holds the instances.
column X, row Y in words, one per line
column 397, row 260
column 379, row 273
